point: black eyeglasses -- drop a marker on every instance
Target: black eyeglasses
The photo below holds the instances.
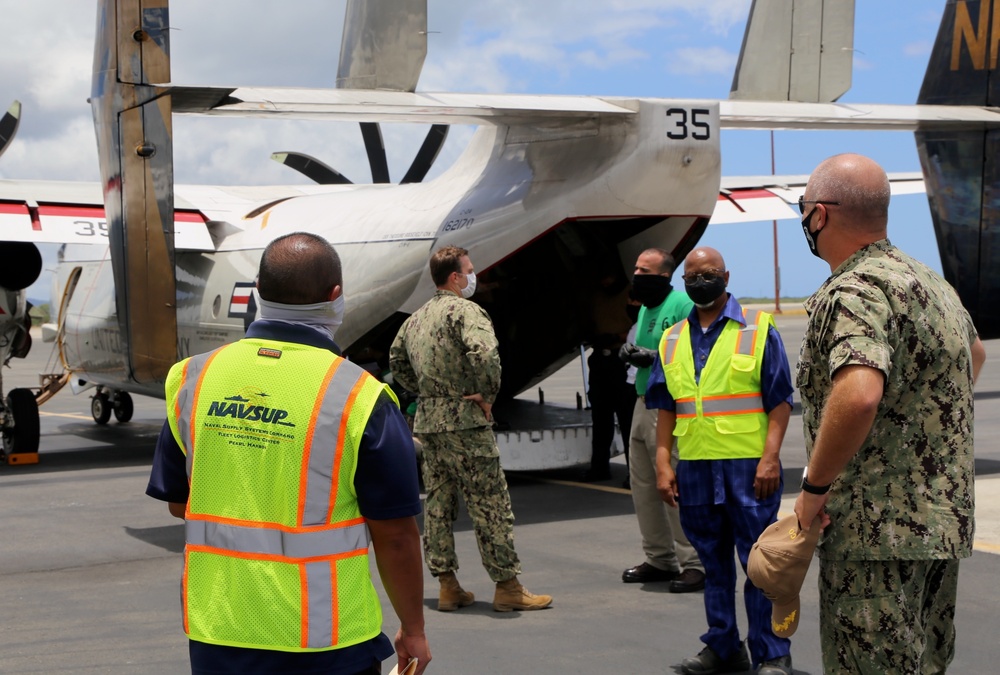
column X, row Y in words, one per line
column 706, row 277
column 803, row 201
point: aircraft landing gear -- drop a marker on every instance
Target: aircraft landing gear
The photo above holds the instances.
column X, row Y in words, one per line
column 19, row 422
column 104, row 403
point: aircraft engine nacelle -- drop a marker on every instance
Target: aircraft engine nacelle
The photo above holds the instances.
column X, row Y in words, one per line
column 20, row 265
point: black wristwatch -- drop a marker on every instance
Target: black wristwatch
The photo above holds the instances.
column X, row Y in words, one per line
column 814, row 489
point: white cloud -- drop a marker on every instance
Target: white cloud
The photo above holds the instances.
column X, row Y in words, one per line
column 698, row 61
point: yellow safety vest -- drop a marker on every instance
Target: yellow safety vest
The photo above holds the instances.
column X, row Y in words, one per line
column 276, row 553
column 722, row 415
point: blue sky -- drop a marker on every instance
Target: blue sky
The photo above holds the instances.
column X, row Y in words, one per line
column 654, row 48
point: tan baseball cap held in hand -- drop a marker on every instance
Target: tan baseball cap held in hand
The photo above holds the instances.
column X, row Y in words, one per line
column 777, row 566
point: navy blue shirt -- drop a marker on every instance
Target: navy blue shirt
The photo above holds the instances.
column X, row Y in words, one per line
column 720, row 481
column 386, row 484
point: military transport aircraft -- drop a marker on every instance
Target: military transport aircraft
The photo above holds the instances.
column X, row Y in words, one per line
column 554, row 192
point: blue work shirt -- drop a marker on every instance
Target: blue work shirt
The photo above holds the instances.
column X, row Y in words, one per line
column 702, row 482
column 385, row 482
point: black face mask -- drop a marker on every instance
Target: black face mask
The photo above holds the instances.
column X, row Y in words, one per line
column 812, row 238
column 633, row 312
column 650, row 289
column 704, row 293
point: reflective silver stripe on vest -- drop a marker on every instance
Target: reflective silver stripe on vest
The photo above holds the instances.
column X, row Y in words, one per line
column 323, row 449
column 185, row 403
column 319, row 589
column 670, row 348
column 748, row 333
column 687, row 407
column 722, row 406
column 266, row 541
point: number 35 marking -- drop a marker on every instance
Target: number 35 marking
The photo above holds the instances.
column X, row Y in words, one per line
column 699, row 121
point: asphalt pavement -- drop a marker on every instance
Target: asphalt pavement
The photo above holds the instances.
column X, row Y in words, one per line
column 90, row 566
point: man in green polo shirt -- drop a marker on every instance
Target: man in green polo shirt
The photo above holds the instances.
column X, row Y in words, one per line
column 669, row 555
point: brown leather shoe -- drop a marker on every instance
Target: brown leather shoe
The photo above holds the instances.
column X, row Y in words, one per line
column 646, row 573
column 689, row 581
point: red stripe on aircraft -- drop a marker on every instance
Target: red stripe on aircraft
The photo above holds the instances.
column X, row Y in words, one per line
column 746, row 194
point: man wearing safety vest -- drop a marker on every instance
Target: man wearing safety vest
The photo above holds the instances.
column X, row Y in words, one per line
column 286, row 462
column 724, row 392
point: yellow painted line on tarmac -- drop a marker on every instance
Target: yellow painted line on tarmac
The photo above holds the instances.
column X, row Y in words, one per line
column 986, row 547
column 73, row 416
column 578, row 484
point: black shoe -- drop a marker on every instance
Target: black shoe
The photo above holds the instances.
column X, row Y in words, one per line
column 646, row 573
column 708, row 662
column 688, row 581
column 593, row 476
column 779, row 666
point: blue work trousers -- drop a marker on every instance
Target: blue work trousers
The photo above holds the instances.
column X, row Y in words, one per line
column 719, row 513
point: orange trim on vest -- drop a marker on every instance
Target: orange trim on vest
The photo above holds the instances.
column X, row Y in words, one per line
column 307, row 451
column 184, row 593
column 334, row 604
column 194, row 406
column 341, row 438
column 271, row 557
column 304, row 594
column 260, row 524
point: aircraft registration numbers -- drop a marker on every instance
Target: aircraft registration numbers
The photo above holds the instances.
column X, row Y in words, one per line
column 458, row 224
column 692, row 123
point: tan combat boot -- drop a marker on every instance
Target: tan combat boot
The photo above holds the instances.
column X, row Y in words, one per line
column 452, row 596
column 512, row 595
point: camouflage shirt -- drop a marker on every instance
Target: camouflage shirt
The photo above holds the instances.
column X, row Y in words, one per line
column 908, row 494
column 446, row 350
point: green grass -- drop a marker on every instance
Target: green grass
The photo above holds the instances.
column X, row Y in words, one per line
column 40, row 315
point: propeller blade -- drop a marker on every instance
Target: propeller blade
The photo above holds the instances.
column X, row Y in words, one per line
column 311, row 168
column 8, row 124
column 375, row 148
column 427, row 154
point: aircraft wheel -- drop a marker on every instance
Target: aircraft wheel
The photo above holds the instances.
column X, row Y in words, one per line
column 23, row 435
column 123, row 406
column 100, row 408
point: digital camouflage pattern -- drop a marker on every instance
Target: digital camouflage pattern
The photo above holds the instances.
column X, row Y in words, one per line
column 908, row 494
column 456, row 463
column 867, row 625
column 446, row 350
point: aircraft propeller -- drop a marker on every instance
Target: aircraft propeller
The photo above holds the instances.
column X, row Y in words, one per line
column 8, row 124
column 321, row 173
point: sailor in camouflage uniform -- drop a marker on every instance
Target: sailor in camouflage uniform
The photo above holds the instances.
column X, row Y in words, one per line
column 446, row 352
column 886, row 373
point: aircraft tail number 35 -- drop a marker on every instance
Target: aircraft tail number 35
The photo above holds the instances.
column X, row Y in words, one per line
column 693, row 123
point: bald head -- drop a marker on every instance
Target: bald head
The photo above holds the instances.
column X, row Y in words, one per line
column 299, row 269
column 861, row 187
column 703, row 259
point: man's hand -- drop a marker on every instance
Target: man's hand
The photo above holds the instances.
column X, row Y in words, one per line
column 412, row 646
column 666, row 484
column 637, row 356
column 808, row 506
column 767, row 479
column 481, row 402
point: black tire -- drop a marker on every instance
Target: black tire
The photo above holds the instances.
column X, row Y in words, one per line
column 100, row 408
column 23, row 436
column 123, row 406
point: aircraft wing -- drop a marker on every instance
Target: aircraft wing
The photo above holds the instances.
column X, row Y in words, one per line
column 747, row 199
column 401, row 106
column 67, row 212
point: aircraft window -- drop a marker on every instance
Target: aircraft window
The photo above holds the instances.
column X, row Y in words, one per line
column 216, row 306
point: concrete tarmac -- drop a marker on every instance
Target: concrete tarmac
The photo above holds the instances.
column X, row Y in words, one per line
column 90, row 566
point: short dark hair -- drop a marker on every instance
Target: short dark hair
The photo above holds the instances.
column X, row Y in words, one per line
column 299, row 269
column 445, row 261
column 667, row 262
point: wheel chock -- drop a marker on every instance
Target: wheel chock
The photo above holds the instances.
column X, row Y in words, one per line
column 22, row 458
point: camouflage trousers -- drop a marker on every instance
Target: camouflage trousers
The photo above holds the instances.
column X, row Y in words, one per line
column 467, row 463
column 893, row 616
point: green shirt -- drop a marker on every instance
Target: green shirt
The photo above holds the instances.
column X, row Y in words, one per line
column 908, row 492
column 651, row 324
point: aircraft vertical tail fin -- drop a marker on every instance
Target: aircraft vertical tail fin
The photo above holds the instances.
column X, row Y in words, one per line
column 962, row 168
column 796, row 50
column 132, row 117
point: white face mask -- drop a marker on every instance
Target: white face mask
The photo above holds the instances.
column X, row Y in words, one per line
column 471, row 287
column 324, row 315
